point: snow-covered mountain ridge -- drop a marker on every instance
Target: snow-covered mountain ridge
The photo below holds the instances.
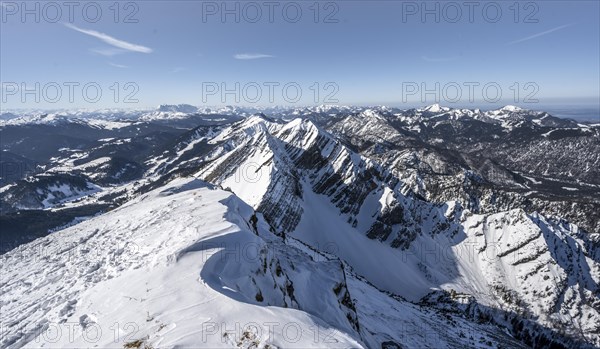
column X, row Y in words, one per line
column 408, row 223
column 188, row 265
column 310, row 186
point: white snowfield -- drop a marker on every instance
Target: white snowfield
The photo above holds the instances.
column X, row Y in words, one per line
column 179, row 267
column 191, row 266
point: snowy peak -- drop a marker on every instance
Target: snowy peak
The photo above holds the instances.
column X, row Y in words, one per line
column 371, row 113
column 435, row 108
column 508, row 111
column 511, row 108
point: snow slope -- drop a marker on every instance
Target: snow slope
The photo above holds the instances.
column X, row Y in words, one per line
column 180, row 266
column 188, row 265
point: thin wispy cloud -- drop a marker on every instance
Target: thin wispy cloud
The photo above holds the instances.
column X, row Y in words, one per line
column 124, row 45
column 117, row 65
column 109, row 51
column 251, row 56
column 527, row 38
column 177, row 70
column 438, row 59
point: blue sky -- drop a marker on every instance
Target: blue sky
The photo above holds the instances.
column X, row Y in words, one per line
column 357, row 52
